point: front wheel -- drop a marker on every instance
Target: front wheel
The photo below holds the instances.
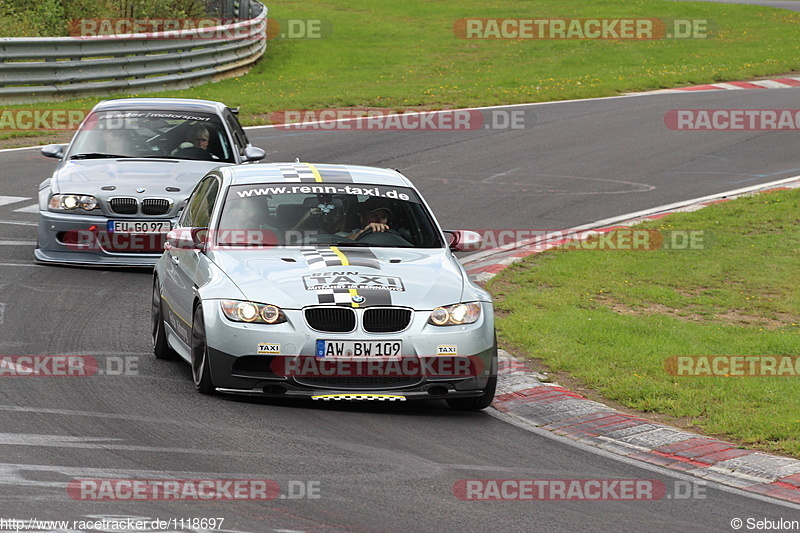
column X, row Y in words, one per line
column 484, row 400
column 477, row 402
column 201, row 372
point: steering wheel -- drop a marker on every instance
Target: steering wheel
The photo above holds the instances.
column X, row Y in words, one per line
column 193, row 152
column 370, row 231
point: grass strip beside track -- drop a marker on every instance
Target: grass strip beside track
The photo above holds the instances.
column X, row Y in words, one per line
column 612, row 318
column 405, row 54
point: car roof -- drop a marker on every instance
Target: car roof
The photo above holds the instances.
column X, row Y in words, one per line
column 286, row 172
column 161, row 104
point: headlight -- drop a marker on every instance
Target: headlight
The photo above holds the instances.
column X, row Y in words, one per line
column 240, row 311
column 453, row 315
column 70, row 202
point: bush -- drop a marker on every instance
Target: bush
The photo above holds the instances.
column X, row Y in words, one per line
column 49, row 18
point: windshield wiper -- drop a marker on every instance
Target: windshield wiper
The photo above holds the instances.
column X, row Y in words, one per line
column 97, row 155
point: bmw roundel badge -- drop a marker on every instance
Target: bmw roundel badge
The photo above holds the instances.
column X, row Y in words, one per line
column 358, row 299
column 140, row 189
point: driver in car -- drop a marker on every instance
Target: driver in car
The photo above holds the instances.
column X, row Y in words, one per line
column 375, row 220
column 196, row 144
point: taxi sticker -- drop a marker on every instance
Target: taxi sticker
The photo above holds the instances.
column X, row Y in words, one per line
column 352, row 280
column 268, row 348
column 447, row 349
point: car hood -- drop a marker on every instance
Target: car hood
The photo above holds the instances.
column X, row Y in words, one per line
column 88, row 176
column 297, row 277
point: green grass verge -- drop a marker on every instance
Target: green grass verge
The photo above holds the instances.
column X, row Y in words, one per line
column 612, row 318
column 403, row 54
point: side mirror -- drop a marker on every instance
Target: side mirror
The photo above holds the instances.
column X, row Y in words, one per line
column 462, row 240
column 252, row 153
column 187, row 239
column 56, row 151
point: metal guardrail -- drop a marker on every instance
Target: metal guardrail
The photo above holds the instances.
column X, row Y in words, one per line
column 35, row 69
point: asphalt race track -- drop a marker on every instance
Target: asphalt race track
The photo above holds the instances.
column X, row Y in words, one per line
column 369, row 467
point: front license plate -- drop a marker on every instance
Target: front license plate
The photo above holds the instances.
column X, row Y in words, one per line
column 138, row 226
column 358, row 348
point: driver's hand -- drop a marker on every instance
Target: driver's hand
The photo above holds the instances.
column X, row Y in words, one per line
column 376, row 226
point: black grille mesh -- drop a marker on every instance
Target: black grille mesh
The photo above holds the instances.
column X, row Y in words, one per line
column 333, row 319
column 124, row 206
column 155, row 206
column 386, row 320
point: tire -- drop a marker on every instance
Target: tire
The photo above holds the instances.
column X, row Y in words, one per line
column 484, row 400
column 161, row 347
column 477, row 402
column 201, row 372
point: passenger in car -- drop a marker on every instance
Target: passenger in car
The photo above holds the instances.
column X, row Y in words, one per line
column 119, row 142
column 321, row 214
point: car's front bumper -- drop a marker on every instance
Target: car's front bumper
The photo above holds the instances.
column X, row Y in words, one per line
column 237, row 368
column 68, row 238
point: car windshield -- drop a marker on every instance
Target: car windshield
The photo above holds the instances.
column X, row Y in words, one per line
column 331, row 213
column 163, row 134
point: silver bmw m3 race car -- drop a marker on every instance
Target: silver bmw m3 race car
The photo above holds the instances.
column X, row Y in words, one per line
column 123, row 179
column 327, row 282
